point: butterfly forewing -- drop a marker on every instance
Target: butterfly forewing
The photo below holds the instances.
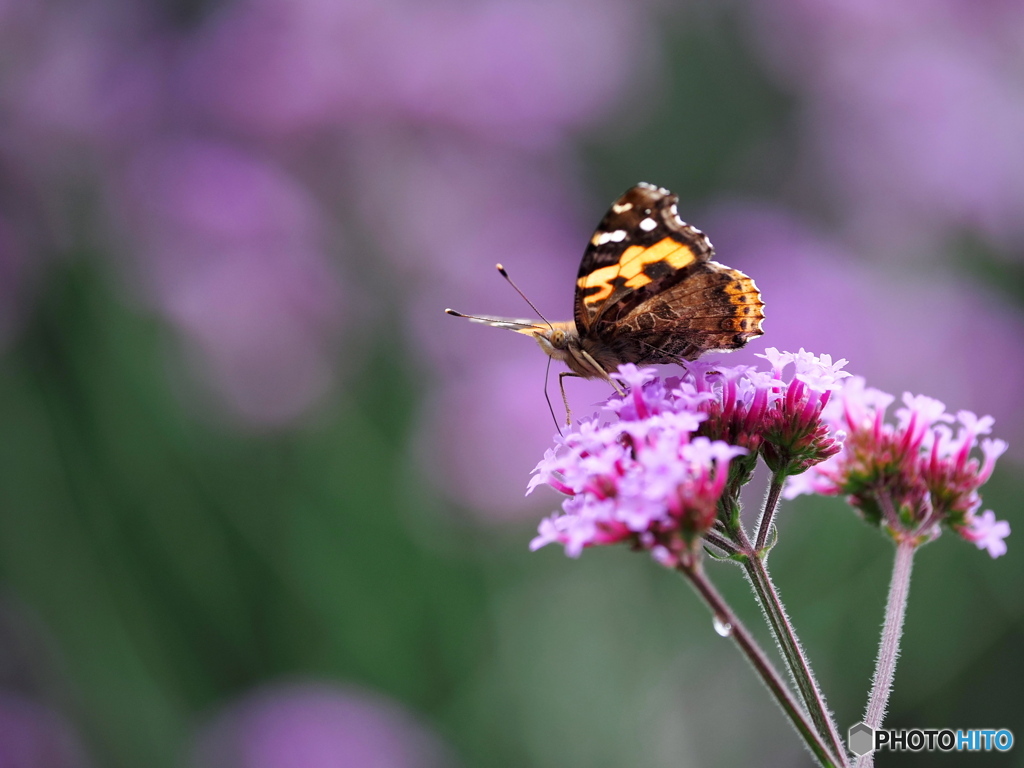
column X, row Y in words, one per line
column 640, row 248
column 648, row 292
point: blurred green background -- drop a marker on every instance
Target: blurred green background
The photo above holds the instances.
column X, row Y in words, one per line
column 261, row 504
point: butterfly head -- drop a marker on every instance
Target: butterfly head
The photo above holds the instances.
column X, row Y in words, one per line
column 557, row 339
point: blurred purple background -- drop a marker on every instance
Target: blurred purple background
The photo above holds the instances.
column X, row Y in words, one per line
column 279, row 197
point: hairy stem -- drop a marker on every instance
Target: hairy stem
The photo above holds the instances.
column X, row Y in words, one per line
column 755, row 568
column 721, row 542
column 889, row 646
column 762, row 666
column 756, row 571
column 771, row 503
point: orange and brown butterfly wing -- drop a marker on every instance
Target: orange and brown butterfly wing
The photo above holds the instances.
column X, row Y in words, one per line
column 648, row 292
column 713, row 308
column 640, row 245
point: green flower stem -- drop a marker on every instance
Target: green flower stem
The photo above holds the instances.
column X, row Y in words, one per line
column 889, row 646
column 771, row 503
column 721, row 542
column 756, row 569
column 692, row 570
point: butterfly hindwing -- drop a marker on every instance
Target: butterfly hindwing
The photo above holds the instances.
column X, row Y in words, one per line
column 713, row 308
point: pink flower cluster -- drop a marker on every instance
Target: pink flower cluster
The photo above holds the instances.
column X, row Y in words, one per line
column 914, row 476
column 652, row 470
column 637, row 475
column 766, row 413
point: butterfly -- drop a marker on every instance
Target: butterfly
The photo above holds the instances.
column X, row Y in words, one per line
column 647, row 292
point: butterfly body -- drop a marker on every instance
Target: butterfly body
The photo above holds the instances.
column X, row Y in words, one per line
column 647, row 292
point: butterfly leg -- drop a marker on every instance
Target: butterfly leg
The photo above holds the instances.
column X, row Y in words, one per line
column 601, row 372
column 565, row 398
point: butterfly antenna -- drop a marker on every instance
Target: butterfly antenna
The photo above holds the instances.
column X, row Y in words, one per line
column 504, row 273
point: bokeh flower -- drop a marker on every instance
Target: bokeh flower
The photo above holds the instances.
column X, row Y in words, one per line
column 231, row 250
column 316, row 725
column 911, row 111
column 987, row 533
column 523, row 73
column 34, row 736
column 80, row 86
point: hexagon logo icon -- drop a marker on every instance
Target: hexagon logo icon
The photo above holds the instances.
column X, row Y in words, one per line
column 860, row 739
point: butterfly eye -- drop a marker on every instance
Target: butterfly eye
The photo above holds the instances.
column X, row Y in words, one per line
column 558, row 339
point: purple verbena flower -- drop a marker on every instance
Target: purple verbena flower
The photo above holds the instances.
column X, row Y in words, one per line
column 637, row 474
column 795, row 437
column 913, row 476
column 763, row 412
column 733, row 400
column 653, row 471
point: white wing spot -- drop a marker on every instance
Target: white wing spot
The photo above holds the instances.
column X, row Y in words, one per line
column 648, row 224
column 622, row 208
column 609, row 237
